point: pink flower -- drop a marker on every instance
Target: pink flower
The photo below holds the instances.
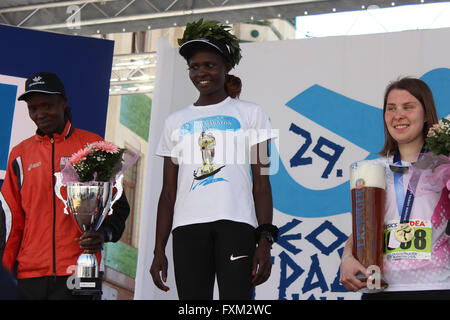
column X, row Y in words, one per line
column 80, row 155
column 106, row 146
column 432, row 131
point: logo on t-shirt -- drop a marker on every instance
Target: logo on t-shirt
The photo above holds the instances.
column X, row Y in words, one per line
column 207, row 128
column 207, row 170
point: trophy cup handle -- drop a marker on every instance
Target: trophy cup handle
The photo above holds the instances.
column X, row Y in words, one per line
column 111, row 199
column 118, row 185
column 58, row 186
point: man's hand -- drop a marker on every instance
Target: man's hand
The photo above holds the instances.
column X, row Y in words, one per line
column 91, row 241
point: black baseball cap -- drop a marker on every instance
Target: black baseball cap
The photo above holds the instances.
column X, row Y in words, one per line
column 188, row 48
column 43, row 82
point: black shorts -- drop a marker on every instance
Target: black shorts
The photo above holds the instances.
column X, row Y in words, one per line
column 221, row 248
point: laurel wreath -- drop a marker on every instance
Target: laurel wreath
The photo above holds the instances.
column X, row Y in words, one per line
column 213, row 29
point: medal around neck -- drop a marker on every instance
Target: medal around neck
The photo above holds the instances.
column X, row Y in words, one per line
column 404, row 232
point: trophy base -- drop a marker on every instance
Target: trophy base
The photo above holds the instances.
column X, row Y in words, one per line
column 88, row 287
column 372, row 288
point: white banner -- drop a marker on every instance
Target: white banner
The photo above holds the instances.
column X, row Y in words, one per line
column 325, row 98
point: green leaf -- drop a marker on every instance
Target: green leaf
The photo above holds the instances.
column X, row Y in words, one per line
column 213, row 29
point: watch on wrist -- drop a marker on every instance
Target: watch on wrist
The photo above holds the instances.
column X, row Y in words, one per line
column 268, row 231
column 268, row 236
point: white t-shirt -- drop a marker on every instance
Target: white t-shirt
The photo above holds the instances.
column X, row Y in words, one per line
column 424, row 263
column 211, row 144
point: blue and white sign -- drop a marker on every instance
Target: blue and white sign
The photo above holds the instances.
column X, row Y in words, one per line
column 291, row 198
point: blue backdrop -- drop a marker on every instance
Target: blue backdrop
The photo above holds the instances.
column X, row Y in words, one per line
column 83, row 64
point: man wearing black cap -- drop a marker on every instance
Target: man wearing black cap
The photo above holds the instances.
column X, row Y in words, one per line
column 45, row 88
column 36, row 236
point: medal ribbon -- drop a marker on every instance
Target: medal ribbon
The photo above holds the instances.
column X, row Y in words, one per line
column 404, row 203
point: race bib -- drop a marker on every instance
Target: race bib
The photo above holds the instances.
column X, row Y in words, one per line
column 419, row 247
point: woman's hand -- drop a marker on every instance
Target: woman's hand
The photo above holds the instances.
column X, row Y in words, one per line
column 262, row 263
column 158, row 270
column 350, row 267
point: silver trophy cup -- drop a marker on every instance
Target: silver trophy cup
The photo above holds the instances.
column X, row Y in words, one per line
column 88, row 204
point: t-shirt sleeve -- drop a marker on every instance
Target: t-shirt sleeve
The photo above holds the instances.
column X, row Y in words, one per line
column 261, row 127
column 166, row 142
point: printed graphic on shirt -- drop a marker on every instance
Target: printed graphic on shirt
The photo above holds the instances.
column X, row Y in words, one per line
column 206, row 172
column 207, row 128
column 207, row 142
column 221, row 123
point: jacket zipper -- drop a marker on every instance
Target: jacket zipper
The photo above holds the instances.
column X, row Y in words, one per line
column 54, row 206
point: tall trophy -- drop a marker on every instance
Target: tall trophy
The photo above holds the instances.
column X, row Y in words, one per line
column 367, row 185
column 90, row 177
column 88, row 204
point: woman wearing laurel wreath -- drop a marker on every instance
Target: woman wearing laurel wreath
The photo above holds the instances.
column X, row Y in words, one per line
column 221, row 221
column 416, row 263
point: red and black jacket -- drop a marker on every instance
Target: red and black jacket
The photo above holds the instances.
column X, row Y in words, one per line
column 34, row 230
